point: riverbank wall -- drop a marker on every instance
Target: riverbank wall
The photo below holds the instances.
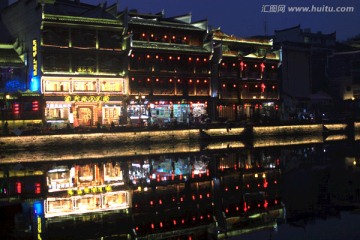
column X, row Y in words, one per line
column 147, row 137
column 74, row 147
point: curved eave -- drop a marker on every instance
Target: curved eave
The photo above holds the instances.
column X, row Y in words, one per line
column 154, row 23
column 262, row 57
column 230, row 54
column 9, row 57
column 233, row 40
column 80, row 20
column 168, row 47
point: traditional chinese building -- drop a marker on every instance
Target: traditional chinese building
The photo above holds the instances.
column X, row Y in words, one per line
column 246, row 78
column 73, row 52
column 169, row 68
column 304, row 58
column 18, row 105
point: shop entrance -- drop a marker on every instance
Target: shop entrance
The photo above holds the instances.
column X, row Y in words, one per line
column 85, row 116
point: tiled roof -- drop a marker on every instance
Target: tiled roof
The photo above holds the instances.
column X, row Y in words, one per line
column 5, row 36
column 9, row 57
column 74, row 8
column 221, row 36
column 170, row 47
column 269, row 55
column 166, row 24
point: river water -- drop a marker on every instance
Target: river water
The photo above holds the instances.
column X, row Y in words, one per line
column 306, row 190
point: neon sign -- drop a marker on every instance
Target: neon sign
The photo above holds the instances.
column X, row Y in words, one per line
column 34, row 55
column 78, row 98
column 39, row 228
column 85, row 70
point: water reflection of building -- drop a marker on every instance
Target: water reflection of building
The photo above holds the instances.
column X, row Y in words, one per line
column 85, row 188
column 161, row 195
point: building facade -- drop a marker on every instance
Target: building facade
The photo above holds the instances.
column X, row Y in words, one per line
column 245, row 77
column 18, row 105
column 303, row 70
column 343, row 69
column 168, row 68
column 74, row 54
column 97, row 66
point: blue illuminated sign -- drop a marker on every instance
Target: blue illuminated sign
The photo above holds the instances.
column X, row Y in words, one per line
column 35, row 84
column 38, row 207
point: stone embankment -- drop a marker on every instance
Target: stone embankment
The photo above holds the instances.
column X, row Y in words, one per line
column 128, row 144
column 169, row 136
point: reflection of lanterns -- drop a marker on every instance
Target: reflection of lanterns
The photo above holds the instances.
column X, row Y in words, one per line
column 262, row 65
column 263, row 87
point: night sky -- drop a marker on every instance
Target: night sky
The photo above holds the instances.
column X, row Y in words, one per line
column 245, row 17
